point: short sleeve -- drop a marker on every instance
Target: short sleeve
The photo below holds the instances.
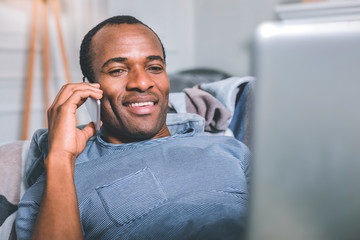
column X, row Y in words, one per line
column 28, row 209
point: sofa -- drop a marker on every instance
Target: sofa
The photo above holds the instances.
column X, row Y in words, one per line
column 218, row 107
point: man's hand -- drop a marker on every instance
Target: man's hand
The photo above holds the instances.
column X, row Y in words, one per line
column 64, row 138
column 59, row 216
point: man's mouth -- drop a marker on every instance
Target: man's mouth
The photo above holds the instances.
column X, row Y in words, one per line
column 140, row 104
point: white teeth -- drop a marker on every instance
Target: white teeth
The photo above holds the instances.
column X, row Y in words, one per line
column 140, row 104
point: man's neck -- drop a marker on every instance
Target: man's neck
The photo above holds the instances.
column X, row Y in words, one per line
column 119, row 139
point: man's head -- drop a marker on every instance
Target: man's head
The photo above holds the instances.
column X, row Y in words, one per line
column 128, row 61
column 86, row 53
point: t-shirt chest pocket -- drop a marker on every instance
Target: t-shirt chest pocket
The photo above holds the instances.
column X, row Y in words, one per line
column 131, row 197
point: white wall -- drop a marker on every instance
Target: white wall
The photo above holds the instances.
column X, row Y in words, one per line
column 202, row 33
column 172, row 20
column 14, row 31
column 224, row 32
column 15, row 26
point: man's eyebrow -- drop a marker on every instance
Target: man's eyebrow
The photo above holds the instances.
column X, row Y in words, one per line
column 155, row 57
column 111, row 60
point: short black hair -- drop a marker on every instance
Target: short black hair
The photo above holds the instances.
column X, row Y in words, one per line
column 86, row 52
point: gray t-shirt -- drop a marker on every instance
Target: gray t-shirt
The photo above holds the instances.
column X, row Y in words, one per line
column 184, row 186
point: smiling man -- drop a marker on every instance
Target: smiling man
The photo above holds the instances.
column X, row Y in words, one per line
column 132, row 179
column 130, row 67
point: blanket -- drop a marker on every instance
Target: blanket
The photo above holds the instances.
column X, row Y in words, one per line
column 12, row 160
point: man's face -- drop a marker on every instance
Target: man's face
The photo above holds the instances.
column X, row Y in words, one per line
column 128, row 63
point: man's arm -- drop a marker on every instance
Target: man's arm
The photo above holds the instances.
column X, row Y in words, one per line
column 58, row 216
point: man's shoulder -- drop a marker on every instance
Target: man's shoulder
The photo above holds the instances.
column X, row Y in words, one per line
column 212, row 138
column 211, row 143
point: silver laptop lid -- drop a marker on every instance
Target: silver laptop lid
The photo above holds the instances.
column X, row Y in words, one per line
column 306, row 166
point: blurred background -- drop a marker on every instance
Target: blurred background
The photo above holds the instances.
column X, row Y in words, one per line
column 212, row 34
column 196, row 34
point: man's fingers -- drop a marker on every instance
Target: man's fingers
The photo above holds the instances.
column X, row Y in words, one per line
column 79, row 97
column 88, row 131
column 67, row 90
column 72, row 103
column 76, row 97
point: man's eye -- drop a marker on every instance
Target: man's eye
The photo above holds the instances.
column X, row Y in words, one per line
column 116, row 72
column 155, row 69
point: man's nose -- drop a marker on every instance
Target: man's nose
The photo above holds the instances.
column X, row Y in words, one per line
column 139, row 80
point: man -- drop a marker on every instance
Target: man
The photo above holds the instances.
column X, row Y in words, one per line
column 132, row 180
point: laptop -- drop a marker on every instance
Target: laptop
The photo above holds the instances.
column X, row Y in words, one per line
column 306, row 166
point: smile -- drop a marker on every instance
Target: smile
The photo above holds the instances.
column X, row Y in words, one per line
column 140, row 104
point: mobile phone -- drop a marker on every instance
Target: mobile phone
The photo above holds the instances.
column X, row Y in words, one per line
column 93, row 108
